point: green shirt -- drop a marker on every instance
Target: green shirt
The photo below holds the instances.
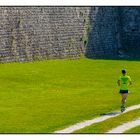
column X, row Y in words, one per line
column 124, row 81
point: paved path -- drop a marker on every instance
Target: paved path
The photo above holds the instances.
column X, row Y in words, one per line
column 126, row 126
column 86, row 123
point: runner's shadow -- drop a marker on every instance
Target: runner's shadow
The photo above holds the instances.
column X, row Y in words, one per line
column 110, row 114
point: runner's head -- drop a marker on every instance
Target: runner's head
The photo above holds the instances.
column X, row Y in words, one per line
column 123, row 72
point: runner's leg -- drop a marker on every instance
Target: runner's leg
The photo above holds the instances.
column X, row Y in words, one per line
column 124, row 96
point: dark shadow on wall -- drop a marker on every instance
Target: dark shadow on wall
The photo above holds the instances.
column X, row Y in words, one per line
column 110, row 35
column 103, row 35
column 130, row 31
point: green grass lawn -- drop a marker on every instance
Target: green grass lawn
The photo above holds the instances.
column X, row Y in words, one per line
column 43, row 97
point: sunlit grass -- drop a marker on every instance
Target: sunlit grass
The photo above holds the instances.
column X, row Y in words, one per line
column 43, row 97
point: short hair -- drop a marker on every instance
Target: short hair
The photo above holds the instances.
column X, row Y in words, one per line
column 123, row 71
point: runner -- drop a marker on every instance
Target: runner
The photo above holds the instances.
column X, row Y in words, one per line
column 124, row 81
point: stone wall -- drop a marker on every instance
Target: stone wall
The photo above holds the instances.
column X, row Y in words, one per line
column 103, row 38
column 130, row 32
column 37, row 33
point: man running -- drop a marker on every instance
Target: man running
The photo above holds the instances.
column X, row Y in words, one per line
column 124, row 81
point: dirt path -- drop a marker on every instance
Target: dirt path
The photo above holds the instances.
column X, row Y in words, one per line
column 86, row 123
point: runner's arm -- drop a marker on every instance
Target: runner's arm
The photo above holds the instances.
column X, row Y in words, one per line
column 130, row 82
column 118, row 82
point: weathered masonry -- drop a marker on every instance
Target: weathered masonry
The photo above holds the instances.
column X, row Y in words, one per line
column 37, row 33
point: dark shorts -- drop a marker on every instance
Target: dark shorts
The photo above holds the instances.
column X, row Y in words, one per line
column 123, row 91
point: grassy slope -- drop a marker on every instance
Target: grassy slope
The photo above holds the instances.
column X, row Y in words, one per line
column 46, row 96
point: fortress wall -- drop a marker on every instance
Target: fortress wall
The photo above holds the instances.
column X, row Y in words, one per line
column 36, row 33
column 130, row 31
column 104, row 35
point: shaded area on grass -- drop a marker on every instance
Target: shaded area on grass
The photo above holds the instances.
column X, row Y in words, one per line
column 110, row 114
